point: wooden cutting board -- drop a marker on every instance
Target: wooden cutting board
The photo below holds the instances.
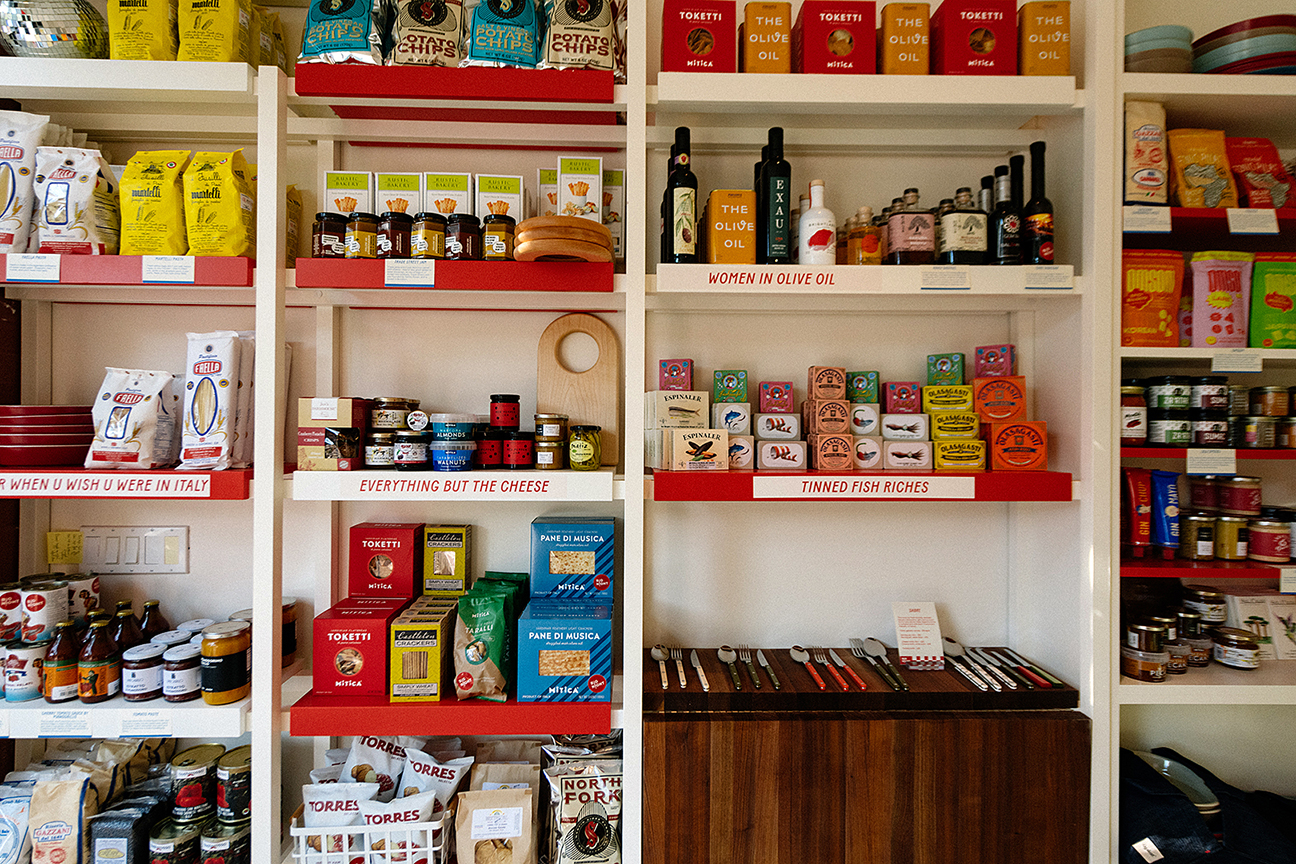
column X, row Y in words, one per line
column 592, row 397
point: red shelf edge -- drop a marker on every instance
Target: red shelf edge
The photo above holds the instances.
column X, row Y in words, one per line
column 233, row 484
column 559, row 276
column 209, row 271
column 314, row 714
column 586, row 86
column 737, row 485
column 1182, row 453
column 1160, row 568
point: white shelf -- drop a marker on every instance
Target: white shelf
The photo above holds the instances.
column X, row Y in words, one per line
column 1282, row 357
column 140, row 81
column 1257, row 105
column 331, row 128
column 118, row 718
column 1274, row 683
column 498, row 485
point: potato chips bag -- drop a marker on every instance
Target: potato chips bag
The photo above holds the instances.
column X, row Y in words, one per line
column 579, row 35
column 215, row 31
column 333, row 805
column 142, row 29
column 390, row 838
column 1200, row 175
column 1259, row 172
column 76, row 202
column 134, row 421
column 210, row 400
column 344, row 31
column 503, row 33
column 20, row 135
column 426, row 33
column 220, row 210
column 1152, row 280
column 152, row 203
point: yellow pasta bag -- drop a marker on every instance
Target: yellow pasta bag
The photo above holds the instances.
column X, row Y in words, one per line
column 1200, row 175
column 220, row 210
column 261, row 50
column 152, row 203
column 142, row 29
column 215, row 31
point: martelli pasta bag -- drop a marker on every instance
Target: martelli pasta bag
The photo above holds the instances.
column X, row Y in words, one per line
column 76, row 202
column 1273, row 301
column 210, row 400
column 142, row 30
column 152, row 203
column 20, row 135
column 133, row 419
column 220, row 207
column 215, row 31
column 1200, row 175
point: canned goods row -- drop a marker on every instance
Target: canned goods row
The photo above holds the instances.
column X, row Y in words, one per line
column 30, row 607
column 1205, row 411
column 207, row 781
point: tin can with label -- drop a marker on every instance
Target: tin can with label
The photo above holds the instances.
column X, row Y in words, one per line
column 10, row 611
column 173, row 842
column 226, row 842
column 234, row 785
column 1253, row 432
column 23, row 668
column 1231, row 540
column 1239, row 496
column 1169, row 429
column 193, row 782
column 44, row 604
column 1209, row 429
column 83, row 597
column 1210, row 393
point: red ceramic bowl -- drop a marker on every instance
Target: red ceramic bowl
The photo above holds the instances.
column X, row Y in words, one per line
column 24, row 410
column 48, row 420
column 44, row 440
column 44, row 456
column 34, row 429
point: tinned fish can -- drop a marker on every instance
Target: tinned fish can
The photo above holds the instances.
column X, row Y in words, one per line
column 23, row 668
column 1269, row 541
column 1239, row 496
column 1285, row 436
column 83, row 596
column 1197, row 537
column 234, row 785
column 193, row 782
column 44, row 604
column 172, row 842
column 1253, row 432
column 10, row 611
column 226, row 842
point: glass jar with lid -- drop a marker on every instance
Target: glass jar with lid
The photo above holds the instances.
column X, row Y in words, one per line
column 429, row 236
column 362, row 236
column 225, row 648
column 380, row 450
column 328, row 236
column 585, row 448
column 497, row 237
column 463, row 238
column 394, row 234
column 1133, row 415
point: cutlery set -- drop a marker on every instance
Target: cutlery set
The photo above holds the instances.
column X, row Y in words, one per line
column 987, row 669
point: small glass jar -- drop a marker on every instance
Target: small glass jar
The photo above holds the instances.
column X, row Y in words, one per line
column 328, row 236
column 1210, row 604
column 197, row 625
column 380, row 450
column 1239, row 400
column 550, row 455
column 429, row 236
column 1239, row 496
column 1145, row 636
column 497, row 237
column 519, row 450
column 1270, row 402
column 1168, row 392
column 585, row 448
column 1253, row 432
column 417, row 421
column 1197, row 537
column 142, row 672
column 1209, row 428
column 490, row 449
column 1203, row 494
column 1285, row 433
column 171, row 638
column 389, row 412
column 505, row 411
column 1149, row 666
column 1209, row 393
column 362, row 236
column 1269, row 541
column 1179, row 653
column 411, row 450
column 225, row 648
column 463, row 238
column 182, row 673
column 1235, row 648
column 1134, row 417
column 1231, row 538
column 551, row 427
column 394, row 230
column 1169, row 428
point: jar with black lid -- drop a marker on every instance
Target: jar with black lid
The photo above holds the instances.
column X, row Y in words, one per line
column 505, row 411
column 1209, row 393
column 362, row 236
column 394, row 230
column 519, row 449
column 490, row 449
column 463, row 238
column 429, row 237
column 1236, row 648
column 380, row 450
column 411, row 453
column 1210, row 427
column 328, row 236
column 1270, row 402
column 1169, row 428
column 1168, row 392
column 497, row 237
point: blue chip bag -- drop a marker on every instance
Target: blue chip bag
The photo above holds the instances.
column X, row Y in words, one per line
column 343, row 31
column 504, row 33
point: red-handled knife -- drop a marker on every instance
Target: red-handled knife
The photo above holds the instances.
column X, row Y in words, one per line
column 836, row 658
column 799, row 655
column 1027, row 672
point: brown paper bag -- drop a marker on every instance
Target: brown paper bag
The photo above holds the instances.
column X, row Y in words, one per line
column 495, row 827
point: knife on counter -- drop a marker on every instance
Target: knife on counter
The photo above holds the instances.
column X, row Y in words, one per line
column 769, row 670
column 836, row 658
column 697, row 664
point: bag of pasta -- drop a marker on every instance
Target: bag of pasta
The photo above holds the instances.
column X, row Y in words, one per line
column 215, row 31
column 210, row 400
column 1200, row 175
column 152, row 203
column 142, row 30
column 76, row 202
column 220, row 210
column 134, row 421
column 20, row 135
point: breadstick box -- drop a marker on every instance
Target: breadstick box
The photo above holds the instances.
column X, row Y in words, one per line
column 565, row 652
column 398, row 193
column 572, row 557
column 580, row 188
column 348, row 192
column 546, row 192
column 835, row 37
column 448, row 194
column 499, row 195
column 699, row 36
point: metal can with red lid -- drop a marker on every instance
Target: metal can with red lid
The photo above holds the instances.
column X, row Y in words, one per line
column 10, row 611
column 44, row 604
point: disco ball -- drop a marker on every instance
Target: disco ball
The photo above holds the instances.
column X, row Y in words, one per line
column 53, row 28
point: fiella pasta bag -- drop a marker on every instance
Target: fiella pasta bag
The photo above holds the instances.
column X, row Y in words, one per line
column 211, row 400
column 220, row 207
column 214, row 31
column 142, row 29
column 1200, row 175
column 134, row 424
column 152, row 203
column 1151, row 281
column 1221, row 298
column 76, row 202
column 1273, row 301
column 20, row 135
column 1259, row 172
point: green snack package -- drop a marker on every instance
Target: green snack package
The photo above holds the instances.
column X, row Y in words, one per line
column 481, row 637
column 1273, row 301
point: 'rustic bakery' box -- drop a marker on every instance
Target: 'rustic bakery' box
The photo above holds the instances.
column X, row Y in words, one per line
column 835, row 36
column 903, row 48
column 1019, row 446
column 699, row 36
column 564, row 652
column 386, row 559
column 1000, row 399
column 572, row 557
column 974, row 37
column 731, row 226
column 419, row 652
column 676, row 409
column 351, row 650
column 1044, row 38
column 315, row 416
column 959, row 455
column 447, row 559
column 766, row 37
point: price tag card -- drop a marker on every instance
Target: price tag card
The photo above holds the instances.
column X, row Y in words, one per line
column 1287, row 580
column 32, row 268
column 945, row 277
column 146, row 724
column 918, row 636
column 64, row 723
column 409, row 272
column 1252, row 221
column 1211, row 461
column 1142, row 219
column 4, row 724
column 1237, row 360
column 176, row 269
column 1048, row 276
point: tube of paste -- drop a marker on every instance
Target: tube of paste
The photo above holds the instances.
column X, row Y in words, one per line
column 1137, row 521
column 1165, row 509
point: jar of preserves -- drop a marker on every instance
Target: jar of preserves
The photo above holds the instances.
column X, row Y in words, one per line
column 551, row 427
column 1206, row 602
column 411, row 450
column 197, row 625
column 1190, row 633
column 60, row 670
column 497, row 237
column 328, row 236
column 429, row 236
column 1197, row 537
column 417, row 421
column 1209, row 393
column 1253, row 432
column 153, row 622
column 1168, row 392
column 225, row 649
column 1209, row 428
column 519, row 449
column 394, row 234
column 389, row 413
column 171, row 638
column 1149, row 666
column 463, row 238
column 142, row 672
column 98, row 665
column 1270, row 401
column 1231, row 538
column 1285, row 433
column 1145, row 636
column 585, row 448
column 380, row 450
column 490, row 449
column 362, row 236
column 288, row 636
column 1238, row 496
column 1269, row 541
column 1134, row 417
column 182, row 673
column 505, row 412
column 1168, row 428
column 1235, row 648
column 550, row 455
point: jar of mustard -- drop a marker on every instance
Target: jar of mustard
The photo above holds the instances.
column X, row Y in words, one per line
column 497, row 237
column 429, row 236
column 362, row 236
column 225, row 648
column 585, row 448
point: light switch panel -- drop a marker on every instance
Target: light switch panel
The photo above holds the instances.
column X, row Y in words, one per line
column 135, row 549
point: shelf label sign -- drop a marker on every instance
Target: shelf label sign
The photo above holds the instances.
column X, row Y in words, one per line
column 4, row 724
column 945, row 277
column 1287, row 580
column 169, row 269
column 1047, row 277
column 918, row 488
column 32, row 268
column 1211, row 461
column 32, row 484
column 474, row 486
column 64, row 723
column 409, row 272
column 1243, row 220
column 1237, row 360
column 1142, row 219
column 146, row 724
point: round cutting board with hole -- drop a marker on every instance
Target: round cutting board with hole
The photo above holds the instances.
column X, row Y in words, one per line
column 591, row 397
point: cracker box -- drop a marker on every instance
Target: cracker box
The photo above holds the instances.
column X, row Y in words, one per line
column 902, row 397
column 1044, row 38
column 421, row 645
column 776, row 397
column 733, row 417
column 907, row 455
column 903, row 46
column 731, row 226
column 546, row 192
column 826, row 416
column 699, row 36
column 868, row 451
column 348, row 192
column 831, row 452
column 781, row 455
column 742, row 453
column 905, row 427
column 862, row 386
column 826, row 382
column 614, row 210
column 315, row 418
column 398, row 193
column 835, row 36
column 564, row 652
column 1019, row 446
column 580, row 188
column 1000, row 399
column 947, row 397
column 974, row 37
column 448, row 194
column 351, row 650
column 687, row 449
column 955, row 425
column 865, row 418
column 1282, row 612
column 777, row 427
column 499, row 195
column 572, row 557
column 729, row 385
column 959, row 455
column 766, row 37
column 676, row 409
column 944, row 369
column 447, row 559
column 994, row 361
column 675, row 374
column 386, row 559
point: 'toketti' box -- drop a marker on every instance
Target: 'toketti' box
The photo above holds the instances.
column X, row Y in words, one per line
column 564, row 652
column 572, row 557
column 835, row 36
column 974, row 37
column 386, row 559
column 419, row 653
column 447, row 559
column 699, row 36
column 351, row 649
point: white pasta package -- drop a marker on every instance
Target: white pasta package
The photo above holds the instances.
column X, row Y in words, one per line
column 77, row 211
column 242, row 456
column 134, row 421
column 20, row 135
column 210, row 400
column 15, row 842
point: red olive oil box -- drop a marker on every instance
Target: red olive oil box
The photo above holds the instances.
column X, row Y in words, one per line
column 351, row 647
column 699, row 36
column 974, row 37
column 386, row 559
column 835, row 36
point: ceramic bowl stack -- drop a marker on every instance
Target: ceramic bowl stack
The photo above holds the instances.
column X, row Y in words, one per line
column 1167, row 48
column 1256, row 46
column 38, row 436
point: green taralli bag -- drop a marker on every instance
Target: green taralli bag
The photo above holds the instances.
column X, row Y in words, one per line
column 481, row 639
column 1273, row 301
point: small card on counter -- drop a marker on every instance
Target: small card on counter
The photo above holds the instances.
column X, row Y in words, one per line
column 918, row 636
column 1211, row 461
column 32, row 268
column 409, row 272
column 1242, row 220
column 1287, row 580
column 167, row 269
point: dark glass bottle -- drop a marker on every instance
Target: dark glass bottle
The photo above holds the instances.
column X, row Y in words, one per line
column 911, row 232
column 985, row 198
column 682, row 186
column 125, row 631
column 664, row 254
column 60, row 671
column 963, row 231
column 154, row 622
column 1005, row 223
column 1037, row 237
column 129, row 607
column 774, row 205
column 756, row 174
column 98, row 665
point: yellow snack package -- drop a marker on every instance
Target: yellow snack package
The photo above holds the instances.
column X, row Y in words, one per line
column 261, row 46
column 293, row 229
column 152, row 198
column 220, row 211
column 1200, row 175
column 142, row 29
column 215, row 31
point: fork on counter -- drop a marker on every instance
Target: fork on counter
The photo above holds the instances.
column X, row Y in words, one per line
column 745, row 655
column 857, row 649
column 677, row 654
column 821, row 657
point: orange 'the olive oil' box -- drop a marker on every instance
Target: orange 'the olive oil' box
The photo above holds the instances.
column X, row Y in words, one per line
column 835, row 36
column 974, row 37
column 998, row 400
column 698, row 36
column 766, row 36
column 1019, row 446
column 731, row 227
column 1044, row 38
column 904, row 47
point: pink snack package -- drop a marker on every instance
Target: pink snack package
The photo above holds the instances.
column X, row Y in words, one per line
column 1221, row 299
